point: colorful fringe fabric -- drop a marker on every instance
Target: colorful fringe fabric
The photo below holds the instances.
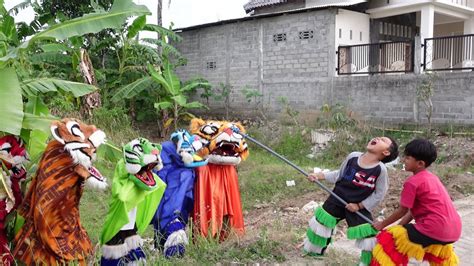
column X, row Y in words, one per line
column 394, row 248
column 318, row 235
column 365, row 257
column 361, row 231
column 324, row 218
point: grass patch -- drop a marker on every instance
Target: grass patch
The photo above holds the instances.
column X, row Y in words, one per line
column 262, row 179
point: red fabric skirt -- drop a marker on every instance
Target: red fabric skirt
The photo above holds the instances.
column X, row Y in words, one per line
column 217, row 204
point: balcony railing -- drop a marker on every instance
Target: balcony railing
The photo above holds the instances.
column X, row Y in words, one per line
column 449, row 53
column 389, row 57
column 466, row 3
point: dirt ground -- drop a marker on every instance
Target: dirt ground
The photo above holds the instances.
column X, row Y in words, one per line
column 286, row 220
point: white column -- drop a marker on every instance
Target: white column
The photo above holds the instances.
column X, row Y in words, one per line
column 426, row 30
column 469, row 25
column 468, row 51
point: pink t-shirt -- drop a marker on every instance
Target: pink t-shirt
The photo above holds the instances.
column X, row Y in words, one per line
column 431, row 207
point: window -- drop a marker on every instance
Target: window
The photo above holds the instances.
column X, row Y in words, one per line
column 360, row 36
column 340, row 33
column 350, row 35
column 309, row 34
column 280, row 37
column 211, row 65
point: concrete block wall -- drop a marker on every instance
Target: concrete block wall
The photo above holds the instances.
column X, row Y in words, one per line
column 247, row 56
column 302, row 71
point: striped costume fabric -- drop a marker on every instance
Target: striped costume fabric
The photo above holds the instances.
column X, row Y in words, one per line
column 395, row 248
column 52, row 233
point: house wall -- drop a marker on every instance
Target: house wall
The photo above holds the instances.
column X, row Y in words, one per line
column 247, row 54
column 302, row 71
column 358, row 23
column 448, row 29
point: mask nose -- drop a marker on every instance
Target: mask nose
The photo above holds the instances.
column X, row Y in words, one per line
column 228, row 131
column 155, row 152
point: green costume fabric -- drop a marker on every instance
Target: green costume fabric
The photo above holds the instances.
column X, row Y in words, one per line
column 126, row 196
column 361, row 231
column 325, row 218
column 365, row 257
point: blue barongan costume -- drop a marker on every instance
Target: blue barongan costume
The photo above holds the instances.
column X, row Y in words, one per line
column 171, row 217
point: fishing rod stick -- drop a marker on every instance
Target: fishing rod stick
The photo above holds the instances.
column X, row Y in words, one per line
column 299, row 170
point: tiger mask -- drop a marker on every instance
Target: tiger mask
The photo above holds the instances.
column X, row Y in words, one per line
column 142, row 156
column 222, row 145
column 187, row 146
column 13, row 154
column 81, row 142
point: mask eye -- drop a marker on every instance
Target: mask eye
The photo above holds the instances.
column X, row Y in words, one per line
column 6, row 148
column 74, row 129
column 185, row 138
column 138, row 148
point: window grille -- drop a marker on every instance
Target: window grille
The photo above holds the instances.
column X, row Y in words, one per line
column 280, row 37
column 309, row 34
column 211, row 65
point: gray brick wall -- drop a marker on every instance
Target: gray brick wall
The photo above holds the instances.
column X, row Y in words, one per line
column 302, row 71
column 246, row 54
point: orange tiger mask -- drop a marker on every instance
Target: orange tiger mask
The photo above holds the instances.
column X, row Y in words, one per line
column 221, row 144
column 81, row 141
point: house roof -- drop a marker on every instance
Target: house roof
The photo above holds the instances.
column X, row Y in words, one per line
column 328, row 3
column 252, row 4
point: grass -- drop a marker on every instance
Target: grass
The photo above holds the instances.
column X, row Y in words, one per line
column 262, row 181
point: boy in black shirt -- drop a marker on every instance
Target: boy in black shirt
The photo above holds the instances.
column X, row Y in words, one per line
column 361, row 181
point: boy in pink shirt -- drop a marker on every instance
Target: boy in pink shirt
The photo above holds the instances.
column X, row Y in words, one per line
column 424, row 199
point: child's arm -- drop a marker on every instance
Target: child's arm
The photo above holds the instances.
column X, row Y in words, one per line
column 397, row 214
column 406, row 219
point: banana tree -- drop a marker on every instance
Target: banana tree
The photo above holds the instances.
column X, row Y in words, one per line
column 18, row 89
column 174, row 95
column 176, row 100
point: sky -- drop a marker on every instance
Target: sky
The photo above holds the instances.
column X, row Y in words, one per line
column 183, row 13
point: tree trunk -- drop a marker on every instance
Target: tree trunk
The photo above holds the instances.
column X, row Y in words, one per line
column 91, row 100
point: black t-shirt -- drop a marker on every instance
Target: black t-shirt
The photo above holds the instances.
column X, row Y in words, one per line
column 356, row 183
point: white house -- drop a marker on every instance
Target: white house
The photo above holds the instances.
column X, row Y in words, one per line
column 398, row 21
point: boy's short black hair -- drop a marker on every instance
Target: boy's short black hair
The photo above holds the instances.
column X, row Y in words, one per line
column 421, row 150
column 393, row 149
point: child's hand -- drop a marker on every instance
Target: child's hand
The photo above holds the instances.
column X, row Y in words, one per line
column 378, row 225
column 316, row 176
column 352, row 207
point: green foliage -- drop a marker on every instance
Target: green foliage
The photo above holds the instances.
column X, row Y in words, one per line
column 336, row 116
column 251, row 94
column 293, row 145
column 424, row 93
column 15, row 66
column 288, row 111
column 116, row 124
column 176, row 98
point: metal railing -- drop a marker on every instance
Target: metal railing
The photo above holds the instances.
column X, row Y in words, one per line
column 449, row 53
column 387, row 57
column 466, row 3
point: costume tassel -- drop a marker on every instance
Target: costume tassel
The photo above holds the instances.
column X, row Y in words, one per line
column 361, row 231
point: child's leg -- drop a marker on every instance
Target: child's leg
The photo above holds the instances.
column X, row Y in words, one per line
column 321, row 226
column 363, row 233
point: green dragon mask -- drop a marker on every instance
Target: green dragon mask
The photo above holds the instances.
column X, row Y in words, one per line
column 141, row 157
